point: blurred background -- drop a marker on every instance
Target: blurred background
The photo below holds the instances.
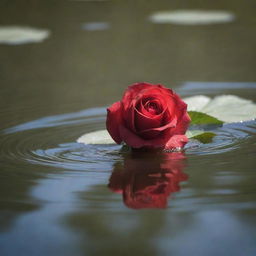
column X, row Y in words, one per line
column 95, row 49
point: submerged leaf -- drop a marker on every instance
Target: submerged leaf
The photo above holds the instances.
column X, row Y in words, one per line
column 205, row 137
column 202, row 118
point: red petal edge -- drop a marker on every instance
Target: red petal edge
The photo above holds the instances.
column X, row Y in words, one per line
column 114, row 120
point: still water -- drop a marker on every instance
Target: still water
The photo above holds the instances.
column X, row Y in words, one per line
column 60, row 197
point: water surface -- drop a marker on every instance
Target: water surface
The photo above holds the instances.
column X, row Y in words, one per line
column 60, row 197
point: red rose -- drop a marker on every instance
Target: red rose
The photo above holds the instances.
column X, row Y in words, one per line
column 150, row 116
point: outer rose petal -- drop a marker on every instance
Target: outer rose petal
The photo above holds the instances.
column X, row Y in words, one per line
column 176, row 141
column 132, row 139
column 135, row 141
column 182, row 125
column 114, row 120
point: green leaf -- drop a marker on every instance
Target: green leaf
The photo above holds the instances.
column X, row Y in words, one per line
column 205, row 137
column 202, row 118
column 200, row 135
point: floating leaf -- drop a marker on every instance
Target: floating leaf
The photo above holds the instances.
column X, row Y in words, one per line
column 226, row 108
column 192, row 17
column 21, row 35
column 197, row 103
column 202, row 118
column 97, row 137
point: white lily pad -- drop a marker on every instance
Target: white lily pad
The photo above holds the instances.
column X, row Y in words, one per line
column 227, row 108
column 97, row 137
column 20, row 35
column 197, row 103
column 192, row 17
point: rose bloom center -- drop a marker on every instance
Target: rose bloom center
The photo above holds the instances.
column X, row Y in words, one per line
column 153, row 107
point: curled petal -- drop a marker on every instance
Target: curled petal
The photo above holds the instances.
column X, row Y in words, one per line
column 176, row 141
column 152, row 132
column 143, row 122
column 132, row 93
column 182, row 126
column 151, row 106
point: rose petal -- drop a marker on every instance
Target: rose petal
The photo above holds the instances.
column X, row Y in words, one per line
column 171, row 124
column 179, row 106
column 183, row 125
column 132, row 92
column 143, row 122
column 149, row 134
column 114, row 120
column 152, row 106
column 132, row 139
column 176, row 141
column 169, row 99
column 143, row 107
column 128, row 114
column 136, row 141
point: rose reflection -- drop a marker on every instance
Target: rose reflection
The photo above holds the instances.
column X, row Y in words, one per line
column 146, row 180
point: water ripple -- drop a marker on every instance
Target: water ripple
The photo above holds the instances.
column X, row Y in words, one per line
column 228, row 137
column 51, row 141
